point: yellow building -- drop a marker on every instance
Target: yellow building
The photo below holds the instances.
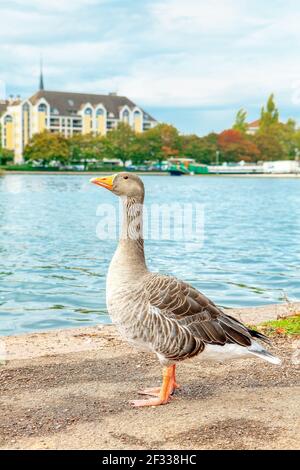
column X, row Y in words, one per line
column 67, row 114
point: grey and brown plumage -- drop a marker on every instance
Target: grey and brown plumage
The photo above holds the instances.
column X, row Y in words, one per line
column 161, row 313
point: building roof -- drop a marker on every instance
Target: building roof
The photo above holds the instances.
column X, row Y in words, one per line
column 3, row 106
column 254, row 123
column 68, row 103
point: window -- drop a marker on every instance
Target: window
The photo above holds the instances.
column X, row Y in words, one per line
column 54, row 122
column 71, row 102
column 88, row 111
column 54, row 111
column 110, row 125
column 137, row 113
column 126, row 115
column 42, row 108
column 99, row 112
column 77, row 123
column 8, row 119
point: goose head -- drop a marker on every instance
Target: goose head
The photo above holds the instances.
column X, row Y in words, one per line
column 122, row 184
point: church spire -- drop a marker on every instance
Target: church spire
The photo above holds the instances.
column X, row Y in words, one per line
column 41, row 75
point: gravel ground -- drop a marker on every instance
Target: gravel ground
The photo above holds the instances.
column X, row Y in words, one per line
column 70, row 389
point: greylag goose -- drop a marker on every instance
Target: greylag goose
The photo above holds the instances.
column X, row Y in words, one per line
column 161, row 313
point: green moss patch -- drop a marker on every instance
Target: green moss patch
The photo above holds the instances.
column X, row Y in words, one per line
column 288, row 326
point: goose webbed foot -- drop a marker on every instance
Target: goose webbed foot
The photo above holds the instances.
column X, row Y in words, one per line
column 153, row 392
column 150, row 402
column 162, row 395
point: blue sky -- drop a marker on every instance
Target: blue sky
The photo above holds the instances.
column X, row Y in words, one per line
column 192, row 63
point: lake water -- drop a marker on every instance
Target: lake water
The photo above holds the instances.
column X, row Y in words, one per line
column 53, row 265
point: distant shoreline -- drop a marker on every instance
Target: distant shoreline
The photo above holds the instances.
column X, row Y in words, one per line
column 154, row 173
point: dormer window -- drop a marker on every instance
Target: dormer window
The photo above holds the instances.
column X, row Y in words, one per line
column 8, row 119
column 70, row 102
column 88, row 112
column 99, row 112
column 42, row 108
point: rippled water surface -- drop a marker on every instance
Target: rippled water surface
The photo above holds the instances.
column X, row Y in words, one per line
column 53, row 265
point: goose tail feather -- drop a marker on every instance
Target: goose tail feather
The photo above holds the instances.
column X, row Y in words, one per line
column 259, row 351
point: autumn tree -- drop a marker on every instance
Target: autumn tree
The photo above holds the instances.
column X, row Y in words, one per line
column 235, row 146
column 161, row 142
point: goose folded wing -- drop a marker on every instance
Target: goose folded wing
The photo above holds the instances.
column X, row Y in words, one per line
column 191, row 309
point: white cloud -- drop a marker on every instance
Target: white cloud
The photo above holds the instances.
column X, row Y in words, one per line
column 164, row 53
column 194, row 16
column 56, row 5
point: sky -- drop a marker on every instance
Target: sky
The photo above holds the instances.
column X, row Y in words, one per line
column 191, row 63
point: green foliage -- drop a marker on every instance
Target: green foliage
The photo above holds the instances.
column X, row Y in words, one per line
column 6, row 156
column 278, row 142
column 119, row 143
column 270, row 115
column 240, row 121
column 202, row 149
column 83, row 148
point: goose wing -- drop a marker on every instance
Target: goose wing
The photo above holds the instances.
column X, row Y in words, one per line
column 183, row 308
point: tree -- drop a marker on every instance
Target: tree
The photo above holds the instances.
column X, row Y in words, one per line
column 47, row 147
column 202, row 149
column 236, row 146
column 192, row 146
column 278, row 140
column 270, row 115
column 85, row 147
column 6, row 156
column 269, row 146
column 161, row 142
column 119, row 142
column 139, row 149
column 240, row 121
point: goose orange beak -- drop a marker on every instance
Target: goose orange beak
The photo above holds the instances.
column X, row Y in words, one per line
column 106, row 181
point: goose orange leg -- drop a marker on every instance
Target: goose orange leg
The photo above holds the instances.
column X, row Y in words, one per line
column 155, row 391
column 162, row 395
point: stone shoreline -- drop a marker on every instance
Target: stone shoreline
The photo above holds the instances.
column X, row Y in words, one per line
column 70, row 389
